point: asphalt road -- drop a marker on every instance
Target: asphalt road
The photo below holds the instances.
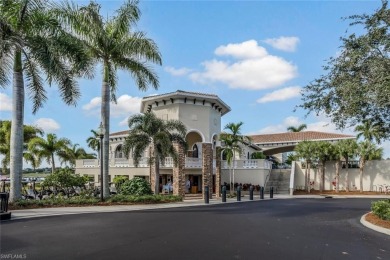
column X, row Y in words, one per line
column 278, row 229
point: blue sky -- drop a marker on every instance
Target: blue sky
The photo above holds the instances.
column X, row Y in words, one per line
column 254, row 55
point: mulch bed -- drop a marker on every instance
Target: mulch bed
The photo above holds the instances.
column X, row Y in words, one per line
column 375, row 220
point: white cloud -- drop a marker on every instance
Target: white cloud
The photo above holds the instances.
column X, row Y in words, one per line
column 322, row 124
column 280, row 95
column 126, row 105
column 5, row 102
column 177, row 72
column 283, row 43
column 251, row 68
column 244, row 50
column 47, row 124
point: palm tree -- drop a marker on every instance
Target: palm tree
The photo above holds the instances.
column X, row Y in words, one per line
column 228, row 150
column 47, row 149
column 236, row 140
column 367, row 151
column 305, row 150
column 115, row 44
column 347, row 149
column 35, row 47
column 72, row 153
column 149, row 131
column 323, row 152
column 297, row 129
column 370, row 132
column 29, row 132
column 93, row 142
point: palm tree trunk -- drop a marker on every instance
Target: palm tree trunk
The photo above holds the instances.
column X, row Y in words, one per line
column 337, row 175
column 308, row 177
column 105, row 117
column 157, row 182
column 53, row 167
column 234, row 159
column 306, row 180
column 16, row 149
column 321, row 178
column 361, row 167
column 346, row 176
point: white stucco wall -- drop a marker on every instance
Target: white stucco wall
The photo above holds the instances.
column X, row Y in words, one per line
column 375, row 173
column 253, row 176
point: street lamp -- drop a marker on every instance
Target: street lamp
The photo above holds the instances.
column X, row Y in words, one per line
column 101, row 135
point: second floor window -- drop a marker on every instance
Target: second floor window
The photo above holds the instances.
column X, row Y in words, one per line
column 119, row 152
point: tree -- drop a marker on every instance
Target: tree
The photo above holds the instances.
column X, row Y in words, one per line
column 94, row 142
column 228, row 150
column 35, row 47
column 29, row 132
column 236, row 140
column 347, row 149
column 72, row 153
column 323, row 151
column 149, row 131
column 305, row 150
column 114, row 44
column 355, row 87
column 47, row 149
column 297, row 129
column 369, row 131
column 367, row 151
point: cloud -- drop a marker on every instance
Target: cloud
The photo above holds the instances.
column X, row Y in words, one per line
column 177, row 72
column 47, row 124
column 280, row 95
column 322, row 124
column 5, row 102
column 126, row 105
column 251, row 68
column 283, row 43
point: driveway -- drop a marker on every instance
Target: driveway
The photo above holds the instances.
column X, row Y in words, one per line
column 273, row 229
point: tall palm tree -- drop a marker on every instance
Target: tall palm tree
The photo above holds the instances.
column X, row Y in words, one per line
column 305, row 150
column 347, row 149
column 47, row 149
column 297, row 129
column 370, row 132
column 149, row 131
column 29, row 132
column 367, row 151
column 116, row 45
column 93, row 142
column 237, row 140
column 35, row 48
column 228, row 150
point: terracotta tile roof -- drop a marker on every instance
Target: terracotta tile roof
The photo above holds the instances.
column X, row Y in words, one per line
column 182, row 92
column 297, row 136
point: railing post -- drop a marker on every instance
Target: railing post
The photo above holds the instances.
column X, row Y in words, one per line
column 206, row 194
column 251, row 192
column 262, row 193
column 223, row 193
column 238, row 193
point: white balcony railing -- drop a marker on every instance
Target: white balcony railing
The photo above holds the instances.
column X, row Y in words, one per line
column 193, row 162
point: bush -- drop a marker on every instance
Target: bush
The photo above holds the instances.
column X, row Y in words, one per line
column 136, row 186
column 381, row 209
column 144, row 198
column 65, row 179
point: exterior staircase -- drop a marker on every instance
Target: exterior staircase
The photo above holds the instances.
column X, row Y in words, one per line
column 280, row 180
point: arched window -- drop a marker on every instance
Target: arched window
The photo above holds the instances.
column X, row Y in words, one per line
column 195, row 151
column 224, row 156
column 248, row 157
column 119, row 152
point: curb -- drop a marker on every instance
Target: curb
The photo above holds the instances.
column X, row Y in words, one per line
column 372, row 226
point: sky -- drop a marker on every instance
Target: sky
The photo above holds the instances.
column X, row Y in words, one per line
column 255, row 55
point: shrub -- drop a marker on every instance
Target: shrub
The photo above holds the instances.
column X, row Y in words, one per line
column 381, row 209
column 119, row 180
column 144, row 198
column 65, row 179
column 136, row 186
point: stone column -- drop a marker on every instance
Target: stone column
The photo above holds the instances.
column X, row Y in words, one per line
column 207, row 168
column 218, row 171
column 178, row 172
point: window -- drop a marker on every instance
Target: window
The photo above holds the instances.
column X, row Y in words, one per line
column 195, row 151
column 119, row 152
